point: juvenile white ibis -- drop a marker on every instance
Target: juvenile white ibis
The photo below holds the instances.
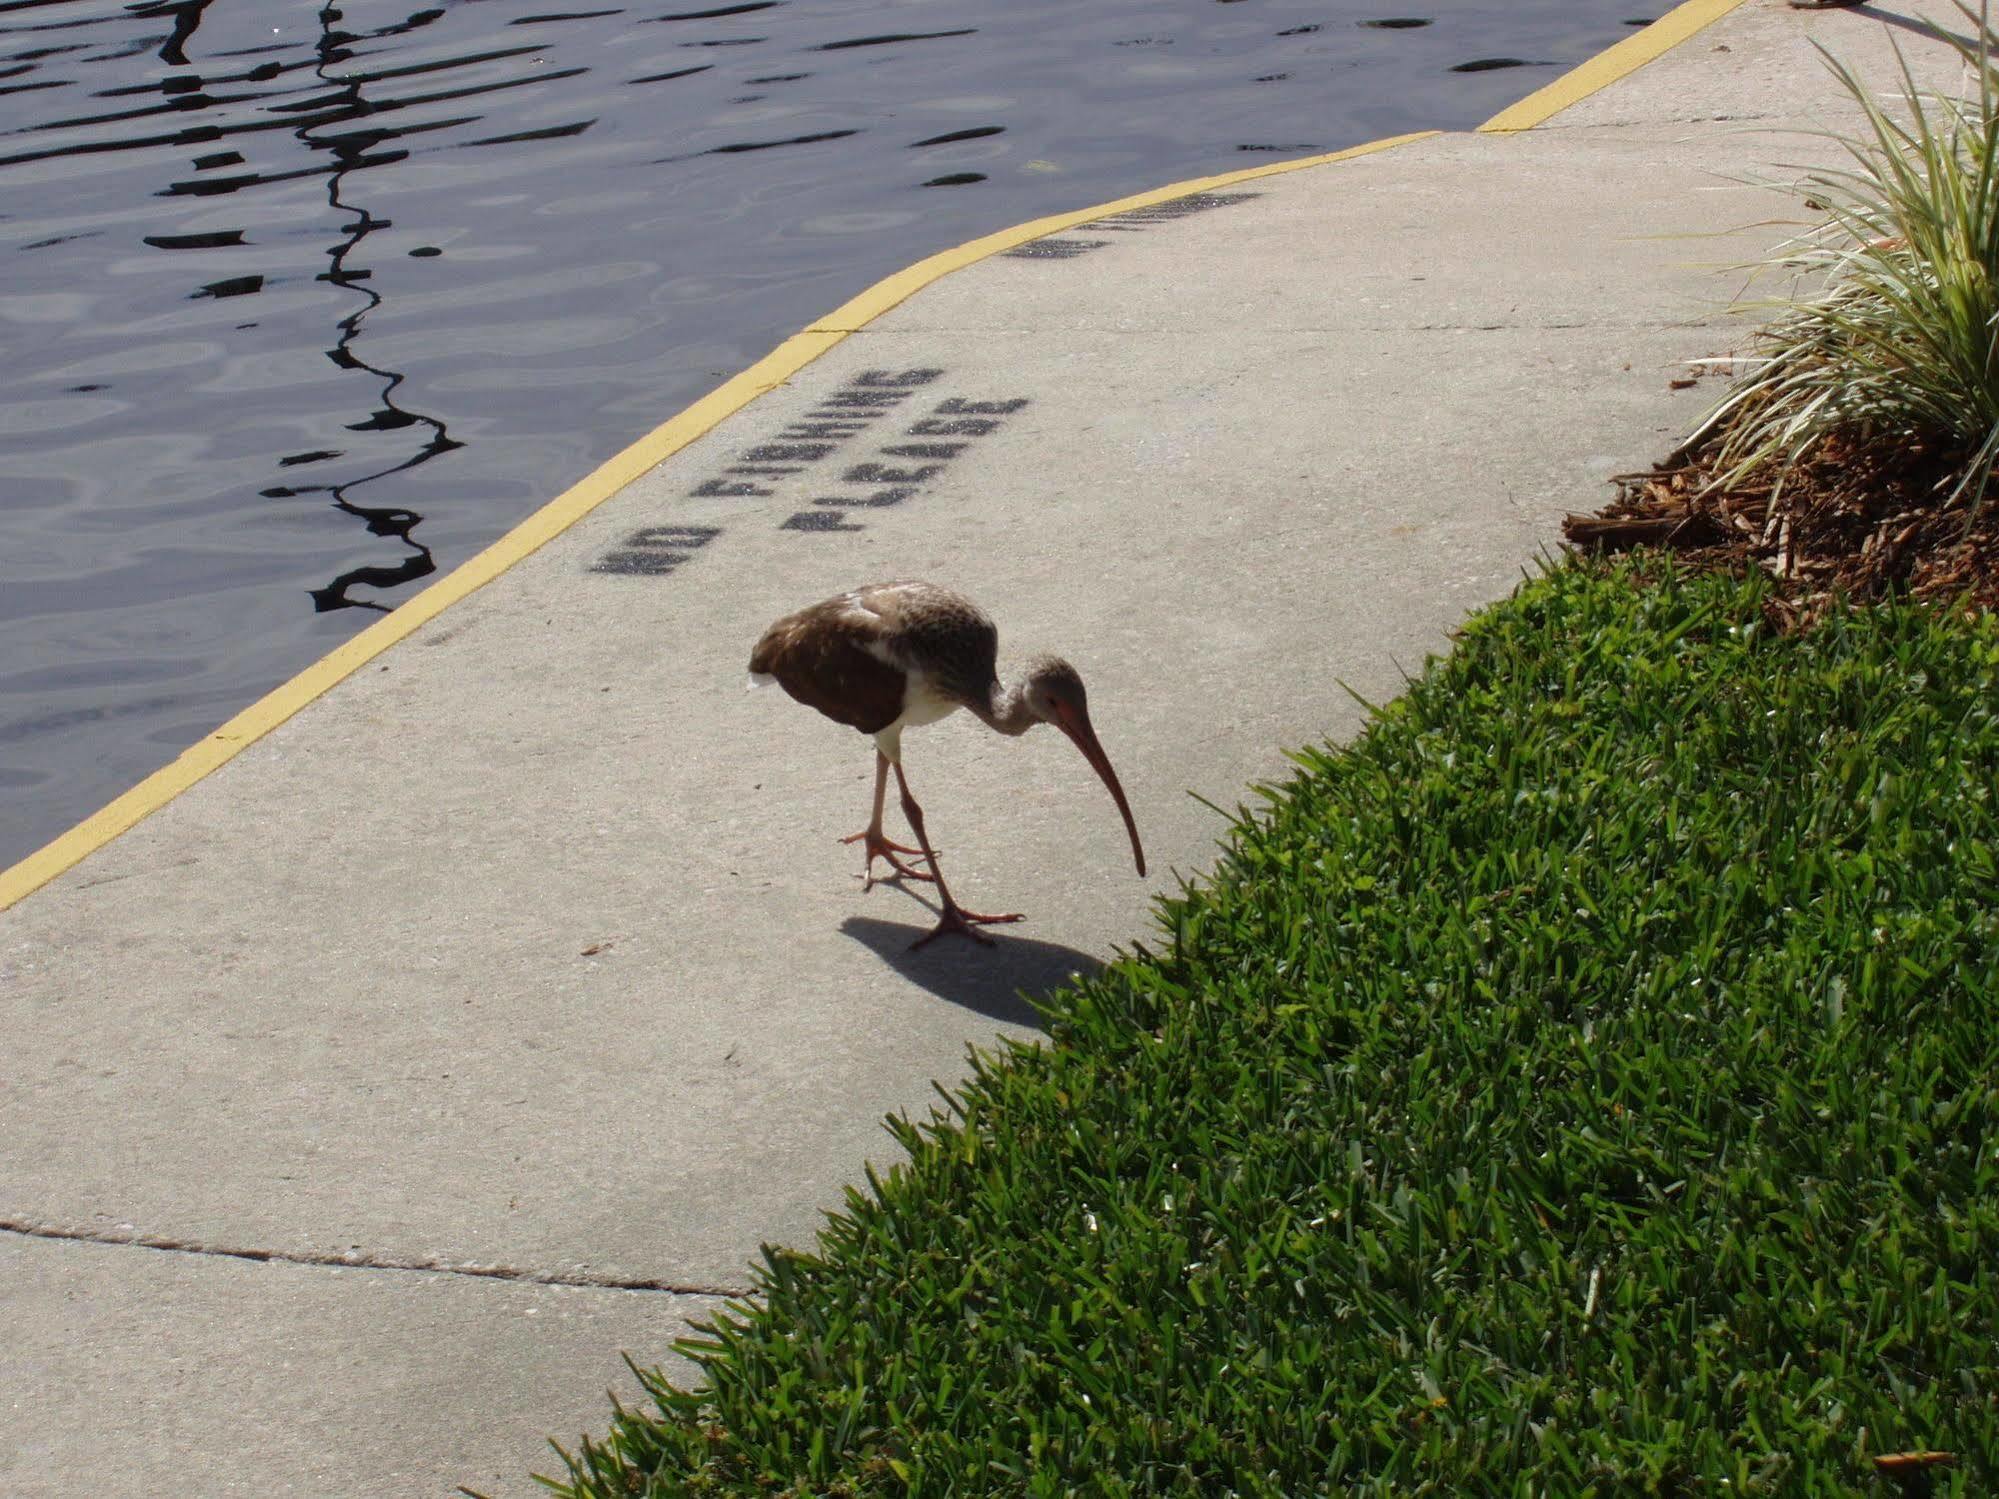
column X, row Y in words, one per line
column 891, row 656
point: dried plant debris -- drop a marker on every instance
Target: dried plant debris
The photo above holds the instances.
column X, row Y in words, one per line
column 1860, row 521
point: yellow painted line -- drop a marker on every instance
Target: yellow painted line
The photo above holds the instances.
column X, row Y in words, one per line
column 1607, row 67
column 567, row 508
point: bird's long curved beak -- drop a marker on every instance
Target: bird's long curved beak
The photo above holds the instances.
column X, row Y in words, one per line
column 1077, row 727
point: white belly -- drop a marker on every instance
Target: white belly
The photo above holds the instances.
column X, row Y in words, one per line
column 922, row 703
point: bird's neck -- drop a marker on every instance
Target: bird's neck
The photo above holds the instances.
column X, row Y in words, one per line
column 1006, row 710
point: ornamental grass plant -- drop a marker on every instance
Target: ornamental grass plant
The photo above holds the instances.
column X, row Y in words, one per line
column 1853, row 460
column 1899, row 348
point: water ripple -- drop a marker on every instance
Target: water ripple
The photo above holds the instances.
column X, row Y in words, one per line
column 305, row 301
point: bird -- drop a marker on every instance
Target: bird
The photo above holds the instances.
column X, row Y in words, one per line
column 892, row 656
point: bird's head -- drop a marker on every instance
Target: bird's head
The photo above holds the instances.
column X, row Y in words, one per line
column 1054, row 693
column 1054, row 688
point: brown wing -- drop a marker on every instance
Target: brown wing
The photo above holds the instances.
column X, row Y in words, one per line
column 820, row 656
column 933, row 630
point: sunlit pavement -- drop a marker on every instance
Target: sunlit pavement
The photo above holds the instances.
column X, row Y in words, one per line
column 362, row 1103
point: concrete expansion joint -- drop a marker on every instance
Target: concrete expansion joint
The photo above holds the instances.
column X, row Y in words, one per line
column 1308, row 330
column 1567, row 326
column 1480, row 327
column 353, row 1260
column 1641, row 122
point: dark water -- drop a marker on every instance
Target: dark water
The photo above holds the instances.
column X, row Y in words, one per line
column 299, row 306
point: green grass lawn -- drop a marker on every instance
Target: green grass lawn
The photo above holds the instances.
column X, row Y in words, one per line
column 1587, row 1082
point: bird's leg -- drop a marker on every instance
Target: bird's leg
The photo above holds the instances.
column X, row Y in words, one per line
column 878, row 846
column 955, row 918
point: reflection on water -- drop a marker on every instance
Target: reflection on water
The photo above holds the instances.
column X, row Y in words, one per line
column 351, row 150
column 300, row 305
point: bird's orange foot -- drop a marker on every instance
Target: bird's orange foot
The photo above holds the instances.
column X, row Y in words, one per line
column 968, row 922
column 880, row 848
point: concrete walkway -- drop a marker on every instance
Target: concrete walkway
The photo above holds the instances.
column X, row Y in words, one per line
column 359, row 1105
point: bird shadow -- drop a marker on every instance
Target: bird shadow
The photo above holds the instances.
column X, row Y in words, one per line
column 990, row 981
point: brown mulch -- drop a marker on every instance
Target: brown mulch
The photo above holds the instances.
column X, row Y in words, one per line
column 1854, row 522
